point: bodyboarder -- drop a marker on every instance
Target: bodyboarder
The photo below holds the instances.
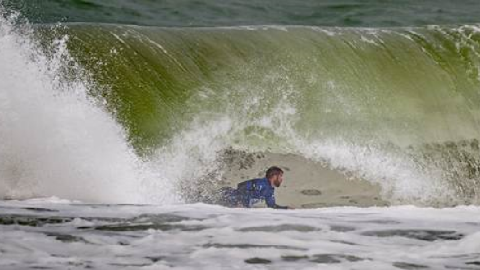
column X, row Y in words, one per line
column 252, row 191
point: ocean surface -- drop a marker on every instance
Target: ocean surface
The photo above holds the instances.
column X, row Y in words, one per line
column 119, row 119
column 214, row 13
column 58, row 234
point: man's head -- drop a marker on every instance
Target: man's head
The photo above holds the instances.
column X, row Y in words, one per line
column 275, row 176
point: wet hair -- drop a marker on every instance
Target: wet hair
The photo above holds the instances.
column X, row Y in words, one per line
column 272, row 171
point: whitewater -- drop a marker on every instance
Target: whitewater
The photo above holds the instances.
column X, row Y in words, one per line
column 58, row 234
column 112, row 138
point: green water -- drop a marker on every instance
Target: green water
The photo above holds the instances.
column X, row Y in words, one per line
column 403, row 86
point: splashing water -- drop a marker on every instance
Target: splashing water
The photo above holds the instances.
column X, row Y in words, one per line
column 56, row 140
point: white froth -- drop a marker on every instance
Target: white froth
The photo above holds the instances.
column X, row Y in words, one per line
column 54, row 140
column 210, row 237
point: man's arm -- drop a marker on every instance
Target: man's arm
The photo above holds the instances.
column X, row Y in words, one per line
column 270, row 200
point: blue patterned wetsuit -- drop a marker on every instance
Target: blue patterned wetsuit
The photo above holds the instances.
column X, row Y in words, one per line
column 251, row 192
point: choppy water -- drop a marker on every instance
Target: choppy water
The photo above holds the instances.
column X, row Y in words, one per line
column 57, row 234
column 187, row 13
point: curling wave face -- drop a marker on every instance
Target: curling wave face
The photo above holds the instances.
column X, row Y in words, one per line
column 396, row 107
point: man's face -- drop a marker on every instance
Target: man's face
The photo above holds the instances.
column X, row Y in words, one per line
column 277, row 180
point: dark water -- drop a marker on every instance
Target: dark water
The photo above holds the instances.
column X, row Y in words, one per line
column 371, row 13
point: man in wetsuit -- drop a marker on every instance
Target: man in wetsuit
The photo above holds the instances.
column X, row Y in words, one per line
column 255, row 190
